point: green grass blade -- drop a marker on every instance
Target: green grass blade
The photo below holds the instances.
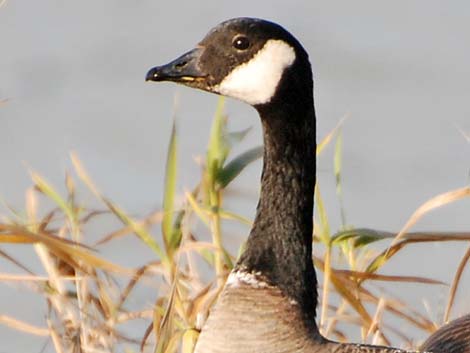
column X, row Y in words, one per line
column 323, row 225
column 200, row 211
column 139, row 229
column 235, row 217
column 237, row 136
column 50, row 192
column 360, row 236
column 218, row 149
column 168, row 230
column 337, row 169
column 236, row 166
column 327, row 139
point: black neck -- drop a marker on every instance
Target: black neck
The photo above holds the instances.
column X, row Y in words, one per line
column 280, row 242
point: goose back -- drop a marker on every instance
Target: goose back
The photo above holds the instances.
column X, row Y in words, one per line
column 453, row 337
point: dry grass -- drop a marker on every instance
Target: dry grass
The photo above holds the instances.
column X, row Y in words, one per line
column 87, row 296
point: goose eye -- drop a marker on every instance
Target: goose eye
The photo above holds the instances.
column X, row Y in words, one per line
column 241, row 43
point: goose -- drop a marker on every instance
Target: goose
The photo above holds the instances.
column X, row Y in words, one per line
column 269, row 301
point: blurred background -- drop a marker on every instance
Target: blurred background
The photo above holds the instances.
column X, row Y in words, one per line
column 72, row 79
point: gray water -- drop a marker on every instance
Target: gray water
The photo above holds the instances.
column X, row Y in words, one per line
column 73, row 76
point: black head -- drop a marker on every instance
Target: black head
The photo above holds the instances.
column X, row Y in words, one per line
column 243, row 58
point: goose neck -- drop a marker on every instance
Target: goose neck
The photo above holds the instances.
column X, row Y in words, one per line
column 280, row 243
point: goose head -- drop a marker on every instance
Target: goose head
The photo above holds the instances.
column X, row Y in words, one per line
column 244, row 58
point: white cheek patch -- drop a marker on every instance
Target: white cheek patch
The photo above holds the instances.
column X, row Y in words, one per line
column 255, row 81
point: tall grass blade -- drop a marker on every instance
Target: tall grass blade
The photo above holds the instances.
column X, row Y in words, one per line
column 328, row 138
column 455, row 283
column 23, row 326
column 166, row 325
column 189, row 340
column 138, row 228
column 338, row 169
column 322, row 229
column 435, row 202
column 232, row 169
column 218, row 148
column 397, row 243
column 50, row 192
column 236, row 136
column 360, row 236
column 66, row 250
column 170, row 235
column 347, row 294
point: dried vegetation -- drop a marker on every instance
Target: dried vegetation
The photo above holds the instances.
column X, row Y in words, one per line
column 87, row 296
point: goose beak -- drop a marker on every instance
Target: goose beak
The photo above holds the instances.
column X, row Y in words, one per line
column 184, row 70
